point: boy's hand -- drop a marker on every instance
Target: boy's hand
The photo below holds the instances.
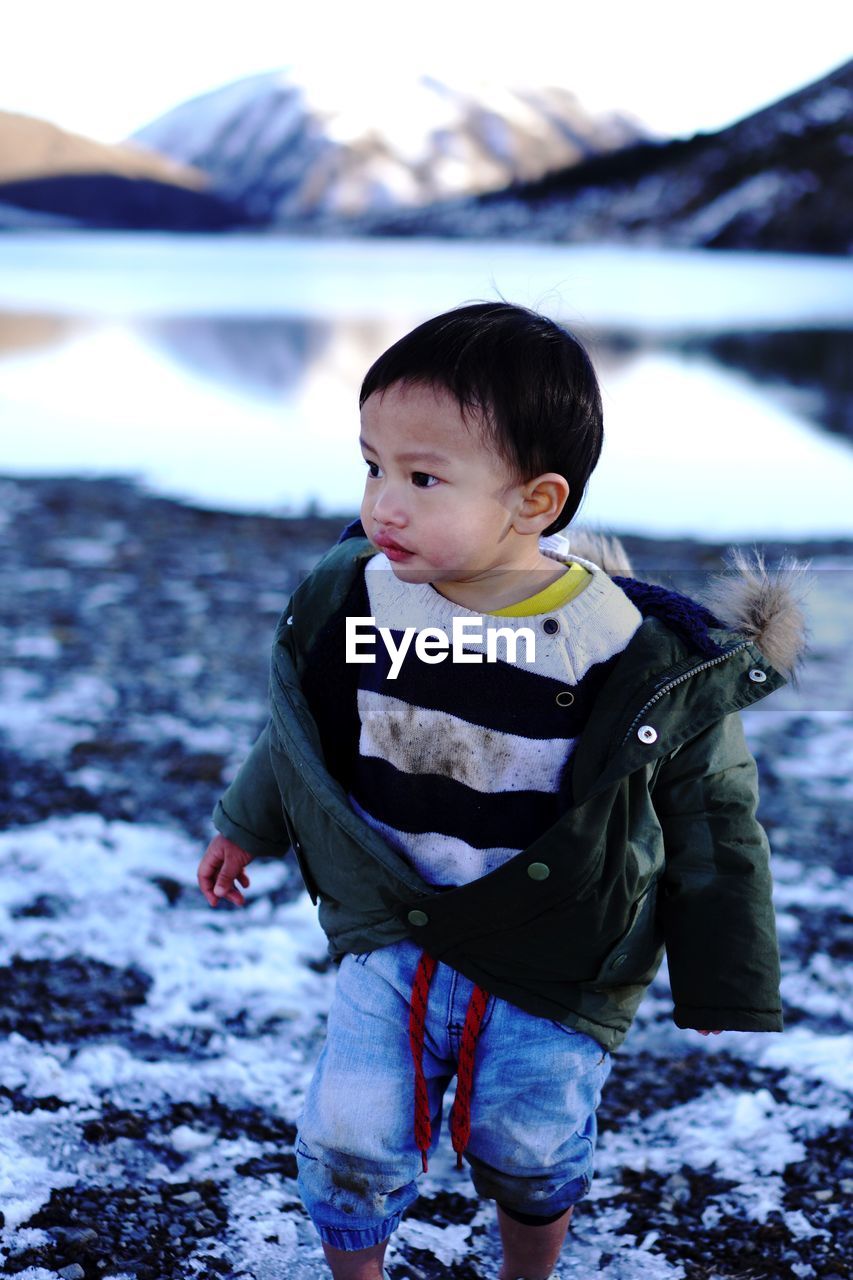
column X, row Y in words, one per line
column 221, row 866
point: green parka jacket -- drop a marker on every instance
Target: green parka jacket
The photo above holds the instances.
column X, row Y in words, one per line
column 660, row 848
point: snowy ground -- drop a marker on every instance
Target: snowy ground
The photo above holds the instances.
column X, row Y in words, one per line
column 155, row 1052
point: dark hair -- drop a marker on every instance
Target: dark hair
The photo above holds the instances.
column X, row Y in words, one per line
column 531, row 380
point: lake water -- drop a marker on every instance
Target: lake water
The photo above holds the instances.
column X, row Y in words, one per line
column 224, row 370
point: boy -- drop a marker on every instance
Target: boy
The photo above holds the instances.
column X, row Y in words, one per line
column 501, row 836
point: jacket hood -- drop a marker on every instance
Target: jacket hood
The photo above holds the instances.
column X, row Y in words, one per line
column 762, row 605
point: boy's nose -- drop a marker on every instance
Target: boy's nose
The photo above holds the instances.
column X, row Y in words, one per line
column 389, row 508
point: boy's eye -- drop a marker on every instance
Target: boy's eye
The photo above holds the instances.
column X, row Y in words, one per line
column 420, row 479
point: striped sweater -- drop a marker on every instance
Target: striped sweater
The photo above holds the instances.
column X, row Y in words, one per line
column 462, row 765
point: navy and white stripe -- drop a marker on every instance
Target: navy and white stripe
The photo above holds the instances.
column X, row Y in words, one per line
column 461, row 766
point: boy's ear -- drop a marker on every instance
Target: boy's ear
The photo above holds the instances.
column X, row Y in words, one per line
column 543, row 498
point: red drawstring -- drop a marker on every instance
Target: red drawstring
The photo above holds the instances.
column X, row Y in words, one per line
column 417, row 1017
column 460, row 1116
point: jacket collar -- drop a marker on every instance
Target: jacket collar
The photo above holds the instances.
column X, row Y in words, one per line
column 745, row 599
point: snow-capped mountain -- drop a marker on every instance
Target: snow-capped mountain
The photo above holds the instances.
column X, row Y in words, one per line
column 779, row 179
column 311, row 148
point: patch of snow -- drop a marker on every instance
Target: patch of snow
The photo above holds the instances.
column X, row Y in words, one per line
column 186, row 1139
column 187, row 666
column 162, row 727
column 823, row 988
column 756, row 195
column 107, row 593
column 43, row 580
column 799, row 1225
column 747, row 1138
column 796, row 885
column 828, row 1058
column 26, row 1179
column 828, row 763
column 755, row 1200
column 36, row 644
column 209, row 966
column 86, row 552
column 13, row 499
column 91, row 779
column 447, row 1244
column 47, row 725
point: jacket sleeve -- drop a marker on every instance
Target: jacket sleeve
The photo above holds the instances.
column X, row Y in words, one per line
column 250, row 812
column 716, row 902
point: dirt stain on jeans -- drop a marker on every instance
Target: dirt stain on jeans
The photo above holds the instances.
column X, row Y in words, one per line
column 349, row 1180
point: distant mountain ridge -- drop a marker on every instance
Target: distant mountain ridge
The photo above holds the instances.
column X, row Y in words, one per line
column 32, row 148
column 419, row 157
column 780, row 179
column 53, row 179
column 302, row 153
column 111, row 202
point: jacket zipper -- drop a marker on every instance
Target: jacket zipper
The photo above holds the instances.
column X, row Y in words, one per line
column 712, row 662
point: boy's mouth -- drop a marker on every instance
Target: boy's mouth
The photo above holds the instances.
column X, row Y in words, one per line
column 392, row 549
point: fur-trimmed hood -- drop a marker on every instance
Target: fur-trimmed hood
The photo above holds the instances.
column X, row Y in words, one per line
column 762, row 605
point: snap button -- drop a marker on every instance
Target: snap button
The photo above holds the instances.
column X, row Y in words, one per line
column 647, row 734
column 419, row 918
column 757, row 675
column 565, row 698
column 538, row 871
column 290, row 621
column 551, row 625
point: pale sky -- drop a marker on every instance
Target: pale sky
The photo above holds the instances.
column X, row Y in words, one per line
column 104, row 69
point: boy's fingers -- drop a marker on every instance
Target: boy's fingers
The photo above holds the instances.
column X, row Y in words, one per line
column 226, row 888
column 206, row 884
column 206, row 873
column 218, row 873
column 234, row 895
column 228, row 881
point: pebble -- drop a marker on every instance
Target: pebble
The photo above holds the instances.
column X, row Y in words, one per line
column 77, row 1235
column 678, row 1188
column 187, row 1197
column 73, row 1272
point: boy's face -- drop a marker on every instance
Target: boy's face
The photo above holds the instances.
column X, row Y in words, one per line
column 438, row 501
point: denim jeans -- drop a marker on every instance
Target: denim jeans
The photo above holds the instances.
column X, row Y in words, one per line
column 537, row 1084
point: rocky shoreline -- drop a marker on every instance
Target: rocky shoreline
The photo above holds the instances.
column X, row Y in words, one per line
column 134, row 634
